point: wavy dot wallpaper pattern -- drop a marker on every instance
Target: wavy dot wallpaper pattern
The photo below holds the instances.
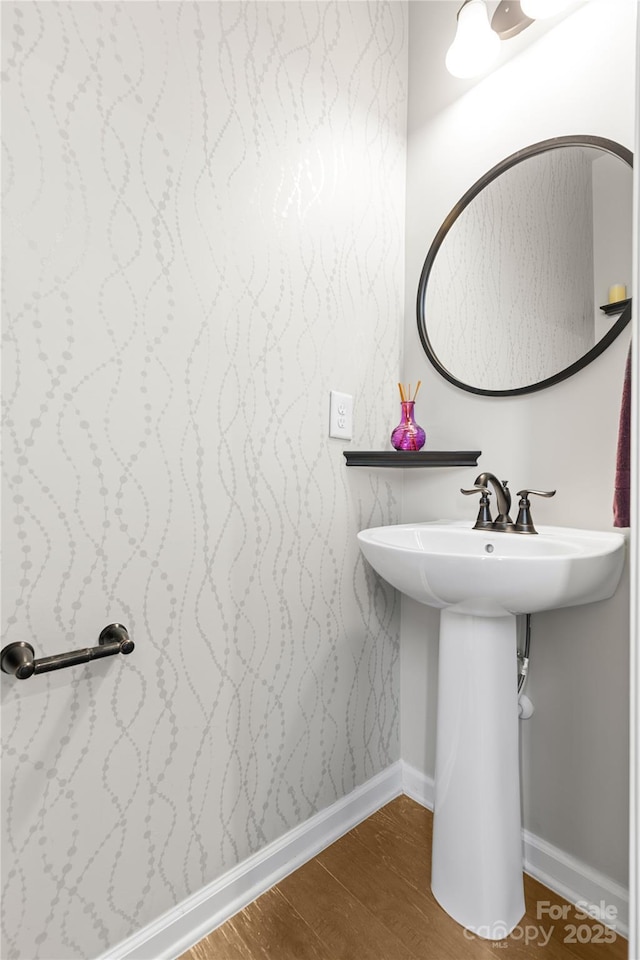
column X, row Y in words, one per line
column 203, row 234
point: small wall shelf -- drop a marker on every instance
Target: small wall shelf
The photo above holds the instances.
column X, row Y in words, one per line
column 412, row 458
column 616, row 307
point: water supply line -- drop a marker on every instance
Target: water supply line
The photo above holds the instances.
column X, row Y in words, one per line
column 525, row 706
column 523, row 658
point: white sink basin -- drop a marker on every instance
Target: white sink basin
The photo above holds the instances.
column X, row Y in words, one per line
column 484, row 573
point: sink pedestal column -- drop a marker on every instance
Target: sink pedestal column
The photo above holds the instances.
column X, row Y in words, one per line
column 477, row 846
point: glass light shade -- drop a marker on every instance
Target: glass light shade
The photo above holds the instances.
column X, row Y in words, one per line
column 541, row 9
column 476, row 46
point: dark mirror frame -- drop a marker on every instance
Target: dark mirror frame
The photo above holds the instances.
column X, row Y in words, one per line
column 600, row 143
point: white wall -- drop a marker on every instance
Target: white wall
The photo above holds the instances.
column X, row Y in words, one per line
column 612, row 208
column 575, row 78
column 203, row 235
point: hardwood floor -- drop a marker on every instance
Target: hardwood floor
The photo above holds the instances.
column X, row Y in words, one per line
column 368, row 897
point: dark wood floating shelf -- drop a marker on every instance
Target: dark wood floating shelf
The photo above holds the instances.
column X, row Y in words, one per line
column 616, row 307
column 412, row 458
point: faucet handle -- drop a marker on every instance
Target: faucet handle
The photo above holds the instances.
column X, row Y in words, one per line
column 525, row 494
column 524, row 523
column 484, row 515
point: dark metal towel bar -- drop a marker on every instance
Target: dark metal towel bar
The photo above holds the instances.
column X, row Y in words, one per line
column 18, row 658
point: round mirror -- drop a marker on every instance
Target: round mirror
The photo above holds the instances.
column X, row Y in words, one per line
column 514, row 293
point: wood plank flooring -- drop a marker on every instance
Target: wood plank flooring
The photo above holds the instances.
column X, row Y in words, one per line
column 368, row 897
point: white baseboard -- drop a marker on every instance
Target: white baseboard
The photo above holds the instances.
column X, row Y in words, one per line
column 417, row 785
column 576, row 881
column 570, row 878
column 178, row 929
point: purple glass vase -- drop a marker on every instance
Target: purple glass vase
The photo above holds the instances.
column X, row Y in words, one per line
column 408, row 435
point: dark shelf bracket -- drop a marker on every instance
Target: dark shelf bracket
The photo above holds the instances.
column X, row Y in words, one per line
column 18, row 658
column 412, row 458
column 616, row 307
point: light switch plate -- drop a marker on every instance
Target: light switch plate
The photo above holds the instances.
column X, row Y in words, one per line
column 340, row 415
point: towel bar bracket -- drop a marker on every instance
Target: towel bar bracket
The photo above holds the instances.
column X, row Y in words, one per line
column 18, row 658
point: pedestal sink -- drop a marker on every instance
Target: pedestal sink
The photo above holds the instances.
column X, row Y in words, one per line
column 481, row 580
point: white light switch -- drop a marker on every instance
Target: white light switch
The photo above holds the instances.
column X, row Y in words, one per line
column 340, row 415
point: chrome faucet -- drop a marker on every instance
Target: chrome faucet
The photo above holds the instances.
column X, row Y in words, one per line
column 503, row 522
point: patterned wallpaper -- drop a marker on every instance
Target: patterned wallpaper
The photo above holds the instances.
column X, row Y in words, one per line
column 202, row 235
column 546, row 325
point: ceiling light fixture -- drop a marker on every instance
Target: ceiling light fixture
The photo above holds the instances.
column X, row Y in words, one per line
column 510, row 19
column 476, row 45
